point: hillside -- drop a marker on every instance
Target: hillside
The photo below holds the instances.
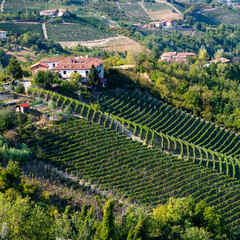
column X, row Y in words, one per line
column 224, row 15
column 130, row 170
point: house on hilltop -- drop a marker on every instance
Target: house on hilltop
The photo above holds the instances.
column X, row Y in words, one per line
column 67, row 65
column 54, row 12
column 177, row 57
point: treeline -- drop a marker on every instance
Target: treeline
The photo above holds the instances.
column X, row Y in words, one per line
column 224, row 37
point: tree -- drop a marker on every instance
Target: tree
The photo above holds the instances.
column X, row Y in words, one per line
column 27, row 56
column 108, row 227
column 93, row 77
column 76, row 79
column 20, row 88
column 45, row 79
column 14, row 69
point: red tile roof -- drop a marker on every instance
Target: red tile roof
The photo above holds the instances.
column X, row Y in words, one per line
column 53, row 59
column 25, row 105
column 78, row 63
column 40, row 64
column 222, row 60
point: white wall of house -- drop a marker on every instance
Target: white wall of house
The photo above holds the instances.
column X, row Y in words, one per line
column 52, row 65
column 84, row 73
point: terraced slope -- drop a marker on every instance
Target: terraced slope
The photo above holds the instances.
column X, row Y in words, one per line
column 134, row 11
column 199, row 155
column 164, row 118
column 133, row 171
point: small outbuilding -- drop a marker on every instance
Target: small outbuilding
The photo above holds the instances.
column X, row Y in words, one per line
column 24, row 108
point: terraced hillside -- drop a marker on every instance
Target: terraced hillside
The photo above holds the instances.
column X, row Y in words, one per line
column 133, row 171
column 22, row 28
column 164, row 118
column 135, row 12
column 199, row 155
column 224, row 15
column 75, row 32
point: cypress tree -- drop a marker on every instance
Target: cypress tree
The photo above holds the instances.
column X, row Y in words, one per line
column 14, row 69
column 107, row 231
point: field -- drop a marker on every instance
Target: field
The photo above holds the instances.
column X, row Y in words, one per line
column 224, row 15
column 129, row 170
column 161, row 11
column 135, row 12
column 29, row 5
column 118, row 44
column 74, row 32
column 22, row 28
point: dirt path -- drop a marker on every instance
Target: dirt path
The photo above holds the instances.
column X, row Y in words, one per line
column 173, row 7
column 2, row 5
column 141, row 3
column 44, row 31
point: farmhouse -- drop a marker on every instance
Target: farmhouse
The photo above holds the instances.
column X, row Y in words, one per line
column 67, row 65
column 175, row 56
column 54, row 12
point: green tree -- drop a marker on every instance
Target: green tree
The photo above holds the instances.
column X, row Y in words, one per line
column 14, row 69
column 20, row 88
column 195, row 233
column 108, row 226
column 76, row 79
column 45, row 79
column 93, row 77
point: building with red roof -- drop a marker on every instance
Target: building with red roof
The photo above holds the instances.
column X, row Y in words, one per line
column 24, row 108
column 175, row 56
column 67, row 65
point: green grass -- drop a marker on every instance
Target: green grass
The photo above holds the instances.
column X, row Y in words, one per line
column 75, row 32
column 21, row 28
column 225, row 15
column 152, row 7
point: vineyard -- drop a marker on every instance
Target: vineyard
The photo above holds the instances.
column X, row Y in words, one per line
column 228, row 165
column 135, row 12
column 133, row 171
column 25, row 6
column 75, row 32
column 224, row 15
column 152, row 7
column 21, row 28
column 97, row 151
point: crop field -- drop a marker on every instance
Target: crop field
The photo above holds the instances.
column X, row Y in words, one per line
column 161, row 11
column 95, row 149
column 29, row 5
column 133, row 171
column 74, row 32
column 174, row 122
column 135, row 12
column 224, row 15
column 21, row 28
column 152, row 7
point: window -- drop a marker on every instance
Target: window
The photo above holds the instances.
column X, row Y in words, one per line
column 64, row 72
column 53, row 65
column 86, row 73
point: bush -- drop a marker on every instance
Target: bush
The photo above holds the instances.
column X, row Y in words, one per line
column 20, row 88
